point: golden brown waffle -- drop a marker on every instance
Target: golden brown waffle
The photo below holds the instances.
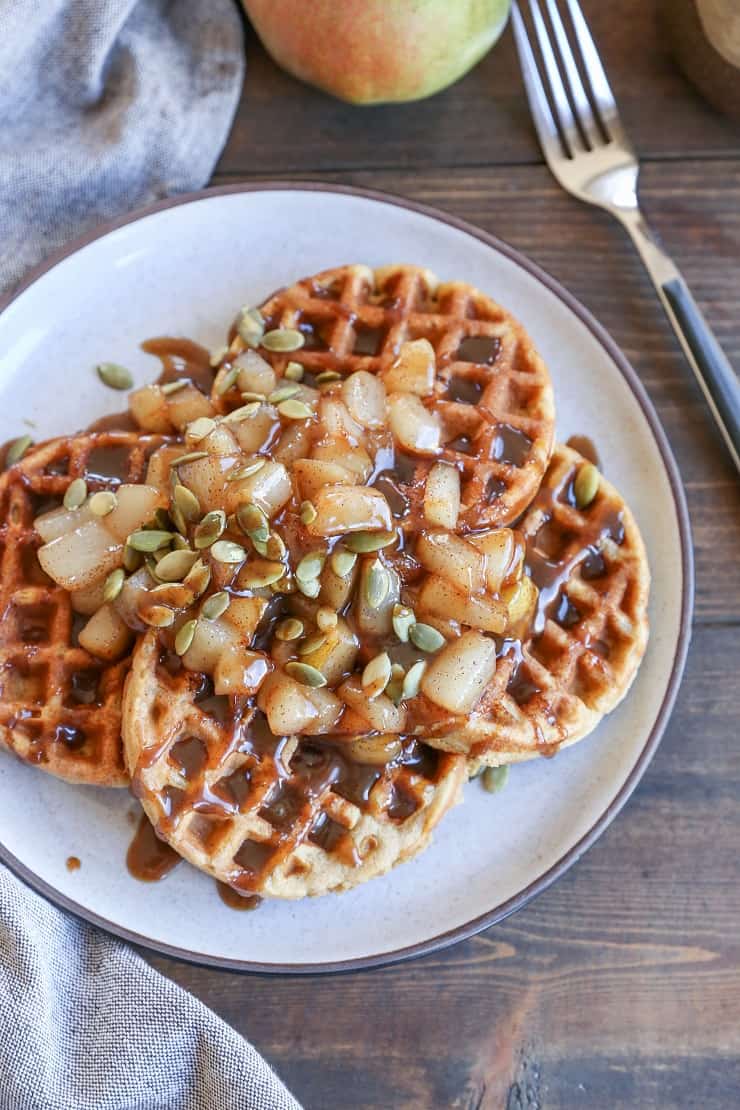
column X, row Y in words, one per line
column 491, row 389
column 277, row 816
column 589, row 635
column 60, row 708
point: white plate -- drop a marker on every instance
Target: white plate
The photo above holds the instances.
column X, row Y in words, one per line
column 183, row 268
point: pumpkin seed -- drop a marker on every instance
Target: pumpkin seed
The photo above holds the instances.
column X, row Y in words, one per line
column 160, row 520
column 294, row 410
column 245, row 471
column 76, row 494
column 210, row 528
column 132, row 559
column 103, row 503
column 308, row 512
column 184, row 637
column 426, row 638
column 179, row 522
column 283, row 339
column 250, row 325
column 200, row 428
column 494, row 779
column 215, row 606
column 312, row 643
column 217, row 356
column 115, row 376
column 242, row 413
column 113, row 584
column 198, row 579
column 157, row 616
column 326, row 619
column 364, row 542
column 186, row 502
column 412, row 681
column 228, row 380
column 306, row 675
column 284, row 585
column 403, row 619
column 289, row 629
column 149, row 539
column 17, row 449
column 191, row 456
column 293, row 372
column 327, row 376
column 251, row 520
column 376, row 675
column 224, row 551
column 168, row 388
column 377, row 584
column 173, row 566
column 342, row 562
column 310, row 566
column 309, row 587
column 180, row 543
column 586, row 485
column 275, row 547
column 251, row 395
column 283, row 393
column 261, row 572
column 260, row 546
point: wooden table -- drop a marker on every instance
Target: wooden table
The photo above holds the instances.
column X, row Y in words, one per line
column 620, row 986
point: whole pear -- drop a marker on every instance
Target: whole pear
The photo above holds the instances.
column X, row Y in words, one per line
column 375, row 51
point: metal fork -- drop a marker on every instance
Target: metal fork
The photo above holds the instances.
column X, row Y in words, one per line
column 592, row 158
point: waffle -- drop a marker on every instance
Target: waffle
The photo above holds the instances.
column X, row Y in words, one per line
column 491, row 389
column 277, row 816
column 588, row 637
column 59, row 706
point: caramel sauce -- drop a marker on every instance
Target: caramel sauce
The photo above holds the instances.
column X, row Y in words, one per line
column 181, row 358
column 481, row 349
column 149, row 858
column 586, row 447
column 73, row 863
column 114, row 422
column 236, row 901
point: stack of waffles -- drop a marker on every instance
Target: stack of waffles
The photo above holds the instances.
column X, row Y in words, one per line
column 297, row 610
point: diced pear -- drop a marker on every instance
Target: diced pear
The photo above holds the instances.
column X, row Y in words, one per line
column 89, row 599
column 220, row 441
column 452, row 557
column 500, row 550
column 240, row 672
column 375, row 620
column 336, row 656
column 211, row 640
column 313, row 474
column 439, row 598
column 337, row 420
column 343, row 453
column 335, row 590
column 106, row 635
column 135, row 506
column 256, row 433
column 294, row 443
column 57, row 522
column 148, row 406
column 286, row 704
column 442, row 496
column 187, row 404
column 364, row 395
column 414, row 427
column 328, row 708
column 413, row 371
column 255, row 374
column 81, row 557
column 457, row 676
column 158, row 468
column 245, row 614
column 270, row 488
column 341, row 509
column 207, row 478
column 379, row 712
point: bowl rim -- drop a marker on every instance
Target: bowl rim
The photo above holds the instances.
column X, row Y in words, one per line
column 542, row 882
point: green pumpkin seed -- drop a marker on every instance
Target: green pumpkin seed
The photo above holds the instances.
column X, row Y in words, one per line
column 180, row 523
column 293, row 372
column 113, row 584
column 327, row 376
column 173, row 566
column 228, row 381
column 115, row 376
column 377, row 584
column 198, row 579
column 191, row 456
column 250, row 325
column 215, row 606
column 312, row 643
column 251, row 519
column 262, row 572
column 251, row 395
column 275, row 547
column 217, row 356
column 309, row 587
column 245, row 471
column 149, row 540
column 306, row 675
column 160, row 520
column 283, row 393
column 168, row 388
column 326, row 619
column 224, row 551
column 132, row 559
column 376, row 675
column 282, row 340
column 494, row 779
column 158, row 616
column 343, row 562
column 403, row 619
column 103, row 503
column 412, row 681
column 200, row 428
column 310, row 566
column 184, row 637
column 180, row 543
column 426, row 638
column 284, row 585
column 186, row 502
column 586, row 485
column 294, row 410
column 260, row 546
column 76, row 494
column 242, row 413
column 210, row 528
column 289, row 629
column 364, row 542
column 17, row 449
column 308, row 512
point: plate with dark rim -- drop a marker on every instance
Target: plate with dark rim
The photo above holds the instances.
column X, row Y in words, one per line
column 183, row 267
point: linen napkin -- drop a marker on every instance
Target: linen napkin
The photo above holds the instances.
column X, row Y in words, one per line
column 106, row 105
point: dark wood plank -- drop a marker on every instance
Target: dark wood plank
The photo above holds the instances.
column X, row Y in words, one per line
column 483, row 120
column 619, row 987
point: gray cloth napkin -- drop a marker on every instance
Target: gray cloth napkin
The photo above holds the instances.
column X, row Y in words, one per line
column 106, row 105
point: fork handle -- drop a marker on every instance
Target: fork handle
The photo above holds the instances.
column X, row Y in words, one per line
column 712, row 369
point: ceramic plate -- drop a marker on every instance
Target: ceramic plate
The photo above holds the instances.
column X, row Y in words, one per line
column 183, row 268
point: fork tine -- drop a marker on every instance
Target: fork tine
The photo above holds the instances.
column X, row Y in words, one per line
column 538, row 102
column 561, row 103
column 584, row 111
column 598, row 80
